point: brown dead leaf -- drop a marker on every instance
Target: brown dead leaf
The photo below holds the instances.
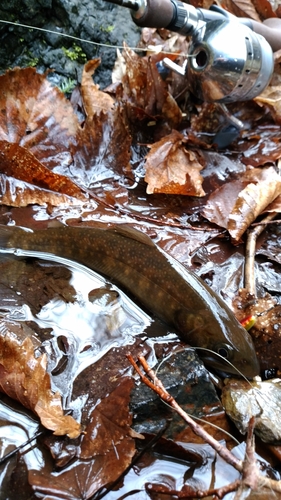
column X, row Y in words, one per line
column 24, row 377
column 236, row 204
column 264, row 8
column 105, row 153
column 95, row 101
column 18, row 162
column 271, row 97
column 144, row 88
column 106, row 451
column 242, row 8
column 172, row 169
column 110, row 423
column 15, row 193
column 37, row 116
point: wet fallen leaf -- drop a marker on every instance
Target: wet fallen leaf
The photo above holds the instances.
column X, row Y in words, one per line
column 18, row 162
column 265, row 8
column 113, row 426
column 106, row 451
column 24, row 377
column 173, row 169
column 271, row 97
column 143, row 87
column 103, row 149
column 43, row 119
column 237, row 204
column 16, row 193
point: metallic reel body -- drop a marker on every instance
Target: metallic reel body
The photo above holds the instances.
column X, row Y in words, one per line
column 228, row 62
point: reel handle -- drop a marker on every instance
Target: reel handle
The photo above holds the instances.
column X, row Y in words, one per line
column 270, row 29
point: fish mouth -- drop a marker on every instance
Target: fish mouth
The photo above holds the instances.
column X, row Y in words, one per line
column 224, row 369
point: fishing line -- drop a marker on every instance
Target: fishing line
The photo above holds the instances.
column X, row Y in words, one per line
column 193, row 416
column 84, row 40
column 255, row 389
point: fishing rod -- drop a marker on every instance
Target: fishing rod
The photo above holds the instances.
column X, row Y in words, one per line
column 229, row 59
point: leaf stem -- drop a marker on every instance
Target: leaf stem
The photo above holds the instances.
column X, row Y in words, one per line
column 253, row 234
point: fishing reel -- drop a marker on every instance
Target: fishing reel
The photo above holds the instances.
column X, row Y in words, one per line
column 229, row 59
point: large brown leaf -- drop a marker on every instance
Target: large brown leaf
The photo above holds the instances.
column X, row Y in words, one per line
column 24, row 377
column 235, row 205
column 106, row 451
column 113, row 426
column 37, row 116
column 173, row 169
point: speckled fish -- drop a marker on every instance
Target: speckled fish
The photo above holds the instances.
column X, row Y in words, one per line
column 162, row 285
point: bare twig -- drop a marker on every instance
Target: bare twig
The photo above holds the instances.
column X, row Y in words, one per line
column 158, row 387
column 249, row 274
column 251, row 478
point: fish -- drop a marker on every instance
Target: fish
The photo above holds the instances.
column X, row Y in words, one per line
column 157, row 281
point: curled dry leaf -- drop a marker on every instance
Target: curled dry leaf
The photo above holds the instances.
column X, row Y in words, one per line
column 94, row 100
column 144, row 88
column 271, row 97
column 172, row 169
column 24, row 377
column 236, row 204
column 18, row 162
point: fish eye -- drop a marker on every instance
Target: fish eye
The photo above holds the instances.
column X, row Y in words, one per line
column 224, row 350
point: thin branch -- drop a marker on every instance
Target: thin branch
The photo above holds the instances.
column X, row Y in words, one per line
column 251, row 478
column 158, row 387
column 249, row 273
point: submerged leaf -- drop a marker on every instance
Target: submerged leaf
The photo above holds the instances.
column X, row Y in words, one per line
column 106, row 451
column 110, row 423
column 172, row 169
column 24, row 377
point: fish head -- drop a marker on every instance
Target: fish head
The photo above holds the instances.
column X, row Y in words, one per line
column 223, row 345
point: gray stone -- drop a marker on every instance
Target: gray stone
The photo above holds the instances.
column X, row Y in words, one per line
column 91, row 20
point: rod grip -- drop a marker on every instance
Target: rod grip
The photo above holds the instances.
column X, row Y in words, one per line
column 156, row 14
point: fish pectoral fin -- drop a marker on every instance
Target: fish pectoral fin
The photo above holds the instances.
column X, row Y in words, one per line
column 134, row 234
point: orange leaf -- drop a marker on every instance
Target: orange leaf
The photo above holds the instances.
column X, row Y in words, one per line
column 18, row 162
column 94, row 100
column 24, row 378
column 172, row 169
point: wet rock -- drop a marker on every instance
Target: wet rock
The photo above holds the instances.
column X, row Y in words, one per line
column 242, row 400
column 95, row 22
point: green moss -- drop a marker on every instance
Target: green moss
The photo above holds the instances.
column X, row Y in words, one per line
column 33, row 62
column 68, row 85
column 107, row 29
column 75, row 53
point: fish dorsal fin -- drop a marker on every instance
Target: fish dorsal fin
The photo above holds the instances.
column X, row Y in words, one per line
column 134, row 234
